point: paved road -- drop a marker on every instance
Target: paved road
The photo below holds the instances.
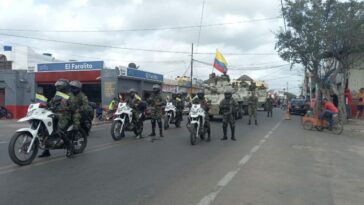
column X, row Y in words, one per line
column 276, row 162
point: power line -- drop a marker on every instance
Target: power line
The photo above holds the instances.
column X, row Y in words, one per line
column 199, row 31
column 126, row 48
column 142, row 29
column 95, row 45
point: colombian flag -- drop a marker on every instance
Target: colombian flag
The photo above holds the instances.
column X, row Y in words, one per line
column 220, row 63
column 40, row 99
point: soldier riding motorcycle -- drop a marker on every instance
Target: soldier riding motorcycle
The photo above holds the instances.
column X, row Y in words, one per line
column 198, row 122
column 50, row 128
column 173, row 115
column 129, row 116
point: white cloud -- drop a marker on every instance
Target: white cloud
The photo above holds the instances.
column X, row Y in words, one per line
column 253, row 37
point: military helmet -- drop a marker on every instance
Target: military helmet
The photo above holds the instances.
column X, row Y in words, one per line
column 76, row 83
column 200, row 94
column 156, row 88
column 62, row 85
column 75, row 86
column 132, row 90
column 228, row 93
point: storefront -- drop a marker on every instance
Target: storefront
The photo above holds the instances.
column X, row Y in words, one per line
column 121, row 79
column 87, row 72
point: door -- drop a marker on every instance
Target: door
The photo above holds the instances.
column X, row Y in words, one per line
column 2, row 96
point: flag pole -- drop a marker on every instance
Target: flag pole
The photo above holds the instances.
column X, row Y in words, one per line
column 191, row 66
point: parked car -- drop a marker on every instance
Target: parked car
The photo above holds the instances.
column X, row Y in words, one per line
column 298, row 106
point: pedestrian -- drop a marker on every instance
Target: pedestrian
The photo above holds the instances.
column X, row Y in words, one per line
column 228, row 108
column 252, row 107
column 360, row 105
column 269, row 106
column 156, row 101
column 348, row 102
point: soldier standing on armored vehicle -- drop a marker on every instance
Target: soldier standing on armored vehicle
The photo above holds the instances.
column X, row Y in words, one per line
column 228, row 108
column 252, row 107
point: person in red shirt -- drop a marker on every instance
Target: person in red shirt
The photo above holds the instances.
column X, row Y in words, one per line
column 329, row 110
column 348, row 102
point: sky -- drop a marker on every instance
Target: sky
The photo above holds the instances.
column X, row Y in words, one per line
column 156, row 34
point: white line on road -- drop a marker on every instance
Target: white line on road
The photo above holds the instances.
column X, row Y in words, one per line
column 209, row 198
column 12, row 168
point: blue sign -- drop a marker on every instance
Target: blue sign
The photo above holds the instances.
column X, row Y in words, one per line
column 144, row 75
column 71, row 66
column 8, row 48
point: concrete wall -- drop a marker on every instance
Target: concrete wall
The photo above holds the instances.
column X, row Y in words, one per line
column 19, row 90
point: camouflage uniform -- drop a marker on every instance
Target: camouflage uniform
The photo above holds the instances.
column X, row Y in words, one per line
column 269, row 106
column 79, row 102
column 157, row 102
column 62, row 107
column 252, row 108
column 179, row 107
column 227, row 108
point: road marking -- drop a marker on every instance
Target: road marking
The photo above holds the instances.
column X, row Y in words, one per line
column 3, row 142
column 209, row 198
column 12, row 168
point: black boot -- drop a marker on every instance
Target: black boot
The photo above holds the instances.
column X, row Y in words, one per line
column 233, row 133
column 256, row 122
column 45, row 153
column 250, row 122
column 160, row 129
column 224, row 129
column 208, row 135
column 153, row 130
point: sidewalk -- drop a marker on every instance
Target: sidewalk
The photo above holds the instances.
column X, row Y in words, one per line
column 354, row 125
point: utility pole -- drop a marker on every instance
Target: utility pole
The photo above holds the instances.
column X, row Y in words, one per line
column 191, row 66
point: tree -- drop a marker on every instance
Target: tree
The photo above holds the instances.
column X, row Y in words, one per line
column 322, row 36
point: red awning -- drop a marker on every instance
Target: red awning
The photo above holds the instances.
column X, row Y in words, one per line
column 83, row 76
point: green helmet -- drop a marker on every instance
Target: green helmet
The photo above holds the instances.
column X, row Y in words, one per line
column 156, row 88
column 62, row 85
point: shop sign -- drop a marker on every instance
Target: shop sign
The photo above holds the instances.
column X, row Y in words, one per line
column 71, row 66
column 144, row 75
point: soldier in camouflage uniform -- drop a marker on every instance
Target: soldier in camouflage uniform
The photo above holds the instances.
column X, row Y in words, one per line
column 176, row 101
column 156, row 101
column 228, row 107
column 79, row 102
column 200, row 99
column 61, row 106
column 252, row 107
column 269, row 106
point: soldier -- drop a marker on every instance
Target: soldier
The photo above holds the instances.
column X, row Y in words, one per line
column 200, row 99
column 180, row 106
column 80, row 102
column 252, row 107
column 176, row 101
column 252, row 86
column 156, row 101
column 228, row 108
column 61, row 105
column 269, row 106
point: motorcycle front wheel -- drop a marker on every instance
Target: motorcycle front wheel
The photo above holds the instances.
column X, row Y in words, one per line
column 166, row 122
column 139, row 129
column 79, row 141
column 193, row 132
column 18, row 147
column 117, row 130
column 338, row 127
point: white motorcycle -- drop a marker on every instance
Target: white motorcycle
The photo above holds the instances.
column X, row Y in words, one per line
column 24, row 145
column 170, row 116
column 123, row 121
column 196, row 123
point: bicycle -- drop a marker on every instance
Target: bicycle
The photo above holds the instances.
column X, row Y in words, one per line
column 313, row 122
